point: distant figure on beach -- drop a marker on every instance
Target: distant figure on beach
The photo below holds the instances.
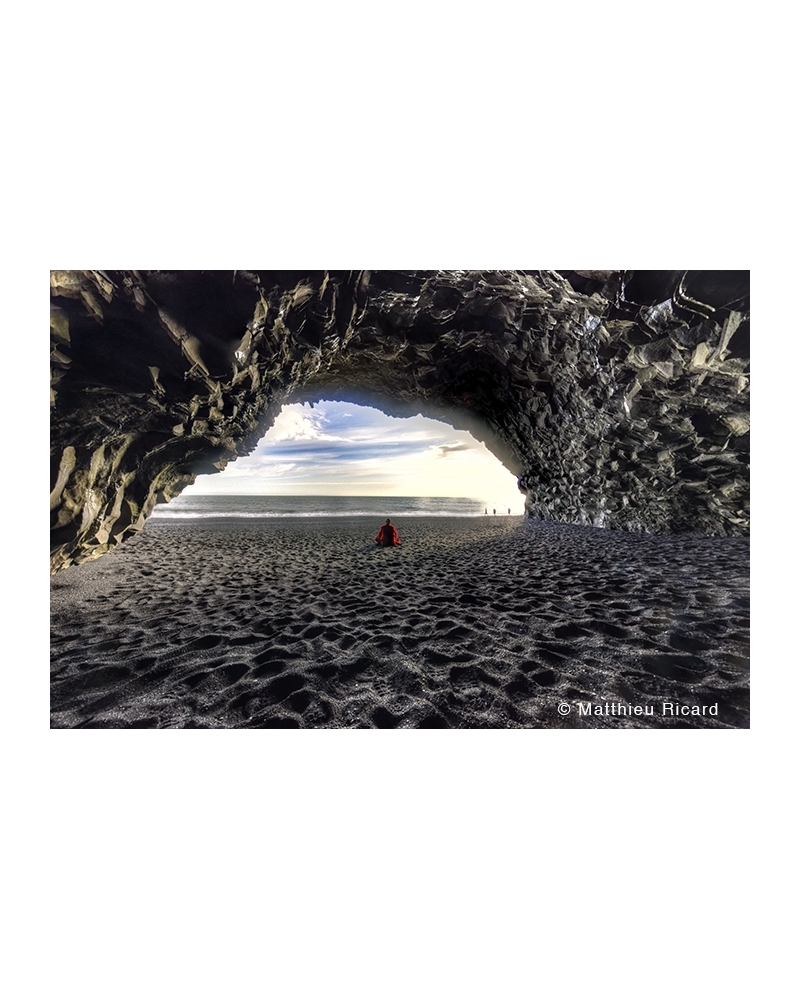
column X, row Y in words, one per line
column 509, row 510
column 485, row 512
column 387, row 535
column 494, row 511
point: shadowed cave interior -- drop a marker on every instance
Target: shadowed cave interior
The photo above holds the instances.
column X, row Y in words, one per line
column 618, row 399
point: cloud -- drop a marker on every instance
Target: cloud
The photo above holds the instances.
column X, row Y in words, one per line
column 292, row 424
column 244, row 467
column 448, row 449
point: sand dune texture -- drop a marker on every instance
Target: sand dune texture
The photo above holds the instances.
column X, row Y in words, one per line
column 473, row 623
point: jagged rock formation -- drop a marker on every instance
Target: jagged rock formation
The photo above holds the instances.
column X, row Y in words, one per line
column 617, row 398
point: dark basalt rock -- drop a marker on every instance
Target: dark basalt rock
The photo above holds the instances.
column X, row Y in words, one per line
column 618, row 398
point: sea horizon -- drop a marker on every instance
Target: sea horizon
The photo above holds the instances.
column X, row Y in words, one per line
column 267, row 506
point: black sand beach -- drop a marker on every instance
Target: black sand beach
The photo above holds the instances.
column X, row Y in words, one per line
column 472, row 623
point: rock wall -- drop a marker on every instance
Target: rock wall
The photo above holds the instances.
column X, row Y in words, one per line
column 618, row 398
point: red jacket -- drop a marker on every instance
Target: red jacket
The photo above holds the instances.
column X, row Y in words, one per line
column 388, row 535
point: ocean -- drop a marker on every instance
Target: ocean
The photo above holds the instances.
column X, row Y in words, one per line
column 196, row 506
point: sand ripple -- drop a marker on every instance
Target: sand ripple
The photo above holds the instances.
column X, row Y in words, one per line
column 473, row 623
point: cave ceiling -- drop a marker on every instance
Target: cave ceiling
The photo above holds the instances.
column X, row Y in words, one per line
column 617, row 398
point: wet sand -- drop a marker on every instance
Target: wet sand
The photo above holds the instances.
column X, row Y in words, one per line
column 472, row 623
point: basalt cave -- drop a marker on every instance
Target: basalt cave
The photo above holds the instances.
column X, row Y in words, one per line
column 618, row 398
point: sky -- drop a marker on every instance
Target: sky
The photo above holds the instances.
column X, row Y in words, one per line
column 340, row 449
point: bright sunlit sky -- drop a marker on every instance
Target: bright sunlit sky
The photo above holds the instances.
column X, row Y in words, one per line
column 340, row 449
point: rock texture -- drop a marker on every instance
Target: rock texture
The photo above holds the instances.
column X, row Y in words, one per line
column 618, row 398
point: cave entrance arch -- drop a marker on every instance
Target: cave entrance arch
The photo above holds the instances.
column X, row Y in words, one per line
column 340, row 448
column 617, row 398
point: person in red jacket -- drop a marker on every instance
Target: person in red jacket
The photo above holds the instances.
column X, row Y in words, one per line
column 387, row 535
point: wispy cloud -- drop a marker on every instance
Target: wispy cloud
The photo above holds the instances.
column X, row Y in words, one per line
column 250, row 467
column 448, row 449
